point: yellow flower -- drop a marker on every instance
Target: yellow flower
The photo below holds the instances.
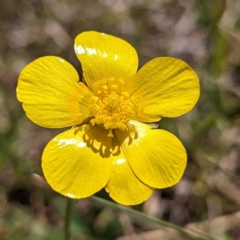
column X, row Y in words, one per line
column 110, row 144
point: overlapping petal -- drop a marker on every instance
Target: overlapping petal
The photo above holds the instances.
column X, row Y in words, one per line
column 104, row 56
column 156, row 156
column 51, row 94
column 74, row 164
column 164, row 87
column 124, row 187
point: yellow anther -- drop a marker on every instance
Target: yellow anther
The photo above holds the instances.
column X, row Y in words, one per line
column 114, row 87
column 93, row 122
column 105, row 87
column 122, row 126
column 108, row 125
column 110, row 134
column 111, row 107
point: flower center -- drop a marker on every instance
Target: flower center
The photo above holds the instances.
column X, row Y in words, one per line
column 111, row 106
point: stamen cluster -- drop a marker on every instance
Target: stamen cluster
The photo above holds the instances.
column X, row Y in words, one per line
column 111, row 106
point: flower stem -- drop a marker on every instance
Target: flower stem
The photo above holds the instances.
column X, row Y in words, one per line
column 137, row 214
column 67, row 221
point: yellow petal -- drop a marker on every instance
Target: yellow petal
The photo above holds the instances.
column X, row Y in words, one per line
column 164, row 87
column 72, row 166
column 124, row 187
column 51, row 94
column 105, row 56
column 156, row 156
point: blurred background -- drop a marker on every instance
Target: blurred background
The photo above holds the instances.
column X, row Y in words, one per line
column 205, row 34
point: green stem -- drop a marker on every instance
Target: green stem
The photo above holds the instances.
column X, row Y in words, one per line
column 134, row 213
column 67, row 225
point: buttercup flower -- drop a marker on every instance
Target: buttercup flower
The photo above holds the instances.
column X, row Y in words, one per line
column 110, row 145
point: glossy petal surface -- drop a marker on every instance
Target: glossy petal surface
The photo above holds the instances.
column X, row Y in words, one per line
column 157, row 157
column 51, row 95
column 104, row 56
column 124, row 187
column 73, row 164
column 164, row 87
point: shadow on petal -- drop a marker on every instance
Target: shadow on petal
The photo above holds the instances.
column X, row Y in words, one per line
column 96, row 138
